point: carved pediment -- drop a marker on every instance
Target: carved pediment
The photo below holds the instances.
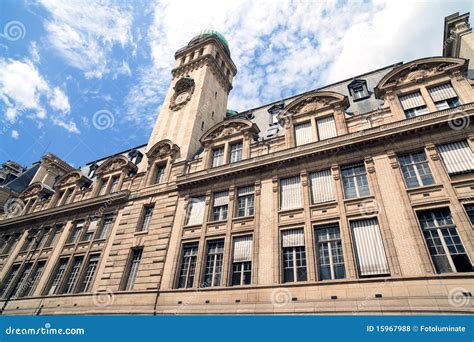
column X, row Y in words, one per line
column 71, row 178
column 418, row 71
column 314, row 101
column 36, row 188
column 163, row 149
column 116, row 163
column 228, row 128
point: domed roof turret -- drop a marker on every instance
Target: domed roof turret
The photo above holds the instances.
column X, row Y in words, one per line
column 207, row 33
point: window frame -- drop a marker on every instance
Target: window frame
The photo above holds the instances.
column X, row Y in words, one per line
column 414, row 169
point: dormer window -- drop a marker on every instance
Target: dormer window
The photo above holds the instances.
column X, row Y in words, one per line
column 135, row 157
column 92, row 170
column 274, row 110
column 358, row 90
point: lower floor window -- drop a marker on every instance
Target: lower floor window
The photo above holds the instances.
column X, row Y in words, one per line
column 188, row 265
column 329, row 252
column 443, row 241
column 241, row 273
column 294, row 264
column 214, row 259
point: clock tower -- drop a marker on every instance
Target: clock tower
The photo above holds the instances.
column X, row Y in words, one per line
column 197, row 97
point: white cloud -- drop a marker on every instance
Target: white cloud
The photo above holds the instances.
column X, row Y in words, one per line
column 15, row 134
column 24, row 90
column 85, row 32
column 283, row 48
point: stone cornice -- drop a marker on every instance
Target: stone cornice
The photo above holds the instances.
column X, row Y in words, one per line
column 321, row 147
column 65, row 209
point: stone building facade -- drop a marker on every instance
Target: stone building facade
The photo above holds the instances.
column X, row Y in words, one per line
column 354, row 198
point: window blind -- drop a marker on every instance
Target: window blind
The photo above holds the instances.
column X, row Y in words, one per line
column 290, row 193
column 442, row 92
column 412, row 100
column 321, row 186
column 196, row 210
column 243, row 248
column 457, row 157
column 303, row 133
column 326, row 128
column 292, row 238
column 221, row 198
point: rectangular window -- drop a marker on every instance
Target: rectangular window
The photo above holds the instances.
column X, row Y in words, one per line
column 58, row 200
column 28, row 243
column 326, row 128
column 444, row 243
column 44, row 237
column 354, row 180
column 195, row 210
column 58, row 276
column 188, row 265
column 160, row 173
column 147, row 213
column 54, row 236
column 33, row 281
column 91, row 229
column 214, row 257
column 358, row 92
column 242, row 260
column 371, row 260
column 245, row 201
column 76, row 232
column 329, row 252
column 303, row 134
column 321, row 186
column 105, row 227
column 68, row 196
column 103, row 186
column 88, row 276
column 457, row 157
column 8, row 280
column 413, row 104
column 290, row 193
column 220, row 206
column 470, row 212
column 294, row 255
column 236, row 152
column 73, row 275
column 444, row 96
column 416, row 170
column 218, row 156
column 131, row 270
column 22, row 281
column 114, row 184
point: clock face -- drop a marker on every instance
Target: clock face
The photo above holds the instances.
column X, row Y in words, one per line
column 181, row 98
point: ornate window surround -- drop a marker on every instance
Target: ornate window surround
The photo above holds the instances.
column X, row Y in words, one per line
column 226, row 133
column 119, row 166
column 72, row 181
column 164, row 152
column 310, row 107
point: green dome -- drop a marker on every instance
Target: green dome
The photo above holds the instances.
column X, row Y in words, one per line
column 209, row 32
column 231, row 112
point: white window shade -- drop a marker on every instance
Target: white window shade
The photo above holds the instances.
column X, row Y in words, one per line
column 369, row 247
column 321, row 186
column 326, row 128
column 247, row 190
column 196, row 210
column 457, row 157
column 303, row 133
column 412, row 100
column 292, row 238
column 92, row 226
column 243, row 248
column 442, row 92
column 221, row 198
column 290, row 193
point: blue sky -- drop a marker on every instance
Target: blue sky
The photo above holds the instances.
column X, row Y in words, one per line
column 86, row 79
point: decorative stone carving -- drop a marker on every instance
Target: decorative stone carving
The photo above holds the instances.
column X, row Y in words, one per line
column 183, row 91
column 114, row 164
column 163, row 149
column 228, row 128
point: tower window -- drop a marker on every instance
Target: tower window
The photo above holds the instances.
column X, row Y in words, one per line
column 215, row 95
column 212, row 115
column 191, row 57
column 201, row 52
column 202, row 125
